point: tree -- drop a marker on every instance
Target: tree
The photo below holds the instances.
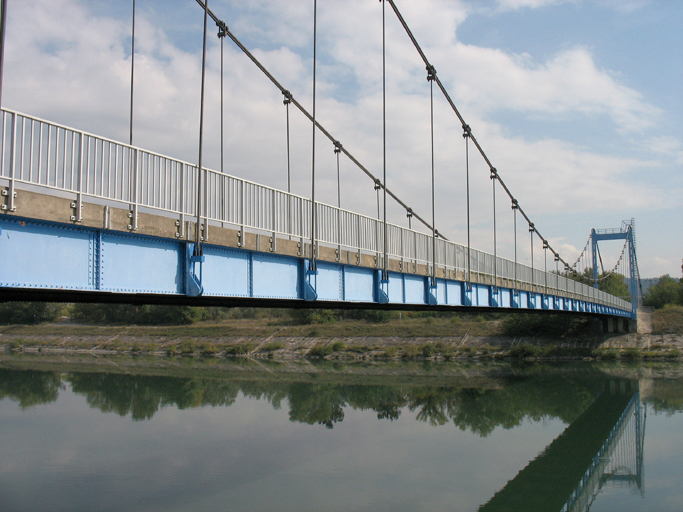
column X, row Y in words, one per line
column 667, row 291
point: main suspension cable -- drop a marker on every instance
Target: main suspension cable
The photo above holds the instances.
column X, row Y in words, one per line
column 238, row 43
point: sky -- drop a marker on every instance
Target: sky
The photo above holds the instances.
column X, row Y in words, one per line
column 577, row 103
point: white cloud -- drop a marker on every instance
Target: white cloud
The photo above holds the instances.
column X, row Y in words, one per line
column 668, row 146
column 513, row 5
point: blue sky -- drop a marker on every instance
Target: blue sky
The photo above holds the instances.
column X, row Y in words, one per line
column 577, row 103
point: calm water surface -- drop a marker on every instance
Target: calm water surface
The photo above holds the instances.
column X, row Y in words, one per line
column 526, row 438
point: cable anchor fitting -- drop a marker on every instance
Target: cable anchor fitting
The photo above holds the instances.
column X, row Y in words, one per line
column 222, row 29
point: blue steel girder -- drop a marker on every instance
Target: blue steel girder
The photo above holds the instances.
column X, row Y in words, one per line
column 46, row 256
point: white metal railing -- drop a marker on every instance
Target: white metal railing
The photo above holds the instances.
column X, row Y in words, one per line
column 40, row 153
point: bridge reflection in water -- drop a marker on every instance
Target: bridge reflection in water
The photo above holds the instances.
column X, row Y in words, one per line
column 604, row 445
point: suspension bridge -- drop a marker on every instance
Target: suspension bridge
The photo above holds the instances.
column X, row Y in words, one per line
column 87, row 218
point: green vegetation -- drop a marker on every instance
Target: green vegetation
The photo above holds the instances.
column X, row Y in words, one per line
column 549, row 325
column 667, row 291
column 29, row 312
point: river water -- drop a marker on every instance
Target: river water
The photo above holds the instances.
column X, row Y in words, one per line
column 187, row 436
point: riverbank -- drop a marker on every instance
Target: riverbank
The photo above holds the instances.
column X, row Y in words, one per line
column 346, row 340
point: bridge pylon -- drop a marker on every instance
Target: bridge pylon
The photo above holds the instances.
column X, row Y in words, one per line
column 627, row 233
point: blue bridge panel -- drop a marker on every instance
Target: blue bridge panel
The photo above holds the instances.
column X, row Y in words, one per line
column 359, row 285
column 415, row 289
column 395, row 288
column 275, row 276
column 45, row 256
column 225, row 272
column 330, row 281
column 140, row 264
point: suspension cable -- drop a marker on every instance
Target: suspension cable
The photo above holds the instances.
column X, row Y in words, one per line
column 531, row 232
column 466, row 135
column 545, row 262
column 3, row 26
column 221, row 36
column 460, row 117
column 494, row 175
column 337, row 150
column 431, row 75
column 198, row 248
column 515, row 207
column 298, row 105
column 313, row 212
column 385, row 275
column 132, row 68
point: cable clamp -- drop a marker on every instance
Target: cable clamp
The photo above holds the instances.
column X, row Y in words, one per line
column 409, row 213
column 515, row 204
column 288, row 97
column 431, row 73
column 545, row 244
column 377, row 184
column 222, row 28
column 337, row 146
column 531, row 227
column 494, row 173
column 467, row 131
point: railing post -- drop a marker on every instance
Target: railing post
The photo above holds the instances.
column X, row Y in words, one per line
column 10, row 206
column 181, row 220
column 273, row 239
column 134, row 211
column 79, row 198
column 241, row 235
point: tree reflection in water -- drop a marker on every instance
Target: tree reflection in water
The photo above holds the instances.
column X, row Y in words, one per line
column 479, row 410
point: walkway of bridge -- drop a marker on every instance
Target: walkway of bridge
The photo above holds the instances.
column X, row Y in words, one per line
column 85, row 213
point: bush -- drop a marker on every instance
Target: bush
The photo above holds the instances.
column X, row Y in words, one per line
column 338, row 346
column 409, row 351
column 527, row 350
column 272, row 346
column 136, row 315
column 320, row 350
column 307, row 316
column 29, row 312
column 605, row 353
column 240, row 349
column 631, row 353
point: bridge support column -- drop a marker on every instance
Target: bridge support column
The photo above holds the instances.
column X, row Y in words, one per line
column 310, row 281
column 494, row 293
column 193, row 278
